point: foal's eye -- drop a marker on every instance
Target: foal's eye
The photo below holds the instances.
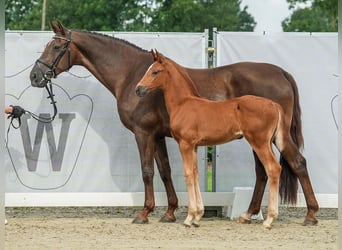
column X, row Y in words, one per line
column 154, row 73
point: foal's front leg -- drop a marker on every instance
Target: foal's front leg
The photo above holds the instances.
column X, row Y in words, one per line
column 186, row 151
column 199, row 201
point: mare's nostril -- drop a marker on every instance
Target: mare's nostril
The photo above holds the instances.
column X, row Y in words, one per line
column 34, row 76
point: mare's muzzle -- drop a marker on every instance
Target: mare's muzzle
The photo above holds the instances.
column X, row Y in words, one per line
column 141, row 91
column 38, row 77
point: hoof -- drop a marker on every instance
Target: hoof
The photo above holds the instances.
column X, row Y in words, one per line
column 266, row 226
column 167, row 219
column 196, row 223
column 139, row 220
column 186, row 224
column 243, row 220
column 310, row 222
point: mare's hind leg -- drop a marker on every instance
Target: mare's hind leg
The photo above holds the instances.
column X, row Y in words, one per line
column 259, row 188
column 298, row 165
column 165, row 174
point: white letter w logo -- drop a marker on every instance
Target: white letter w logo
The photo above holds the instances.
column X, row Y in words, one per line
column 56, row 153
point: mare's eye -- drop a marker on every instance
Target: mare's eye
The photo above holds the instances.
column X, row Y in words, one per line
column 56, row 47
column 155, row 72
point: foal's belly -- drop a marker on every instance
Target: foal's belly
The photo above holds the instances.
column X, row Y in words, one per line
column 206, row 137
column 216, row 139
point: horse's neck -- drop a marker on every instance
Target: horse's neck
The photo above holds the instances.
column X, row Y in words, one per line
column 110, row 60
column 179, row 88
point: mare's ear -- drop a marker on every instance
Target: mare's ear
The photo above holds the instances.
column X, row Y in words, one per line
column 62, row 29
column 58, row 28
column 53, row 27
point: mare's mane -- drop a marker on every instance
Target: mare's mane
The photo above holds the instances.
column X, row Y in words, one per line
column 186, row 77
column 115, row 39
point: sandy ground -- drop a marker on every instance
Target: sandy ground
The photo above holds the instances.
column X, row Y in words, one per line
column 112, row 228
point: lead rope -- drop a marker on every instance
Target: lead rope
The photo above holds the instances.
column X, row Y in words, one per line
column 18, row 111
column 53, row 102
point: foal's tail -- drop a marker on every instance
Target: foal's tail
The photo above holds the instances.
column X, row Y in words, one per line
column 288, row 187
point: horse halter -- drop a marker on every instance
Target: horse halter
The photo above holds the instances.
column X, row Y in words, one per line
column 51, row 73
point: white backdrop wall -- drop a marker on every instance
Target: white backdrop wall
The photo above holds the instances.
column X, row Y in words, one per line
column 95, row 152
column 312, row 60
column 100, row 155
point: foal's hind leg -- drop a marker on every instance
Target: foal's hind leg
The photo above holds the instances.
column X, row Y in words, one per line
column 259, row 188
column 298, row 165
column 273, row 169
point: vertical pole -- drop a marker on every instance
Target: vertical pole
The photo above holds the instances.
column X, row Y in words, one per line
column 2, row 124
column 340, row 124
column 215, row 46
column 206, row 36
column 214, row 155
column 43, row 15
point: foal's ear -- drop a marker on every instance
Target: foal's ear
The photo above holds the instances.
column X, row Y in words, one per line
column 154, row 54
column 157, row 56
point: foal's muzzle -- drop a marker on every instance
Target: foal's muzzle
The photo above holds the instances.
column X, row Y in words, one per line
column 141, row 91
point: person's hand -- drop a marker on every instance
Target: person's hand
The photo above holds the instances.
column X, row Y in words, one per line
column 14, row 111
column 8, row 110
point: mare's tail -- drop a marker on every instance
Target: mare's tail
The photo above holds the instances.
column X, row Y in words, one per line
column 288, row 187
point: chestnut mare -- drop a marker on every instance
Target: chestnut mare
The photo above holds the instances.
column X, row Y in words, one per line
column 195, row 121
column 119, row 65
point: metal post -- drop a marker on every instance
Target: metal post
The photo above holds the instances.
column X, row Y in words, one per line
column 43, row 15
column 215, row 46
column 214, row 64
column 340, row 124
column 206, row 36
column 2, row 124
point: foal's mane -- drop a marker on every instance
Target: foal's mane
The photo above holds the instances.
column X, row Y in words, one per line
column 114, row 39
column 185, row 76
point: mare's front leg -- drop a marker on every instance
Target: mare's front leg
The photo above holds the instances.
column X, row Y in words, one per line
column 259, row 189
column 146, row 150
column 165, row 174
